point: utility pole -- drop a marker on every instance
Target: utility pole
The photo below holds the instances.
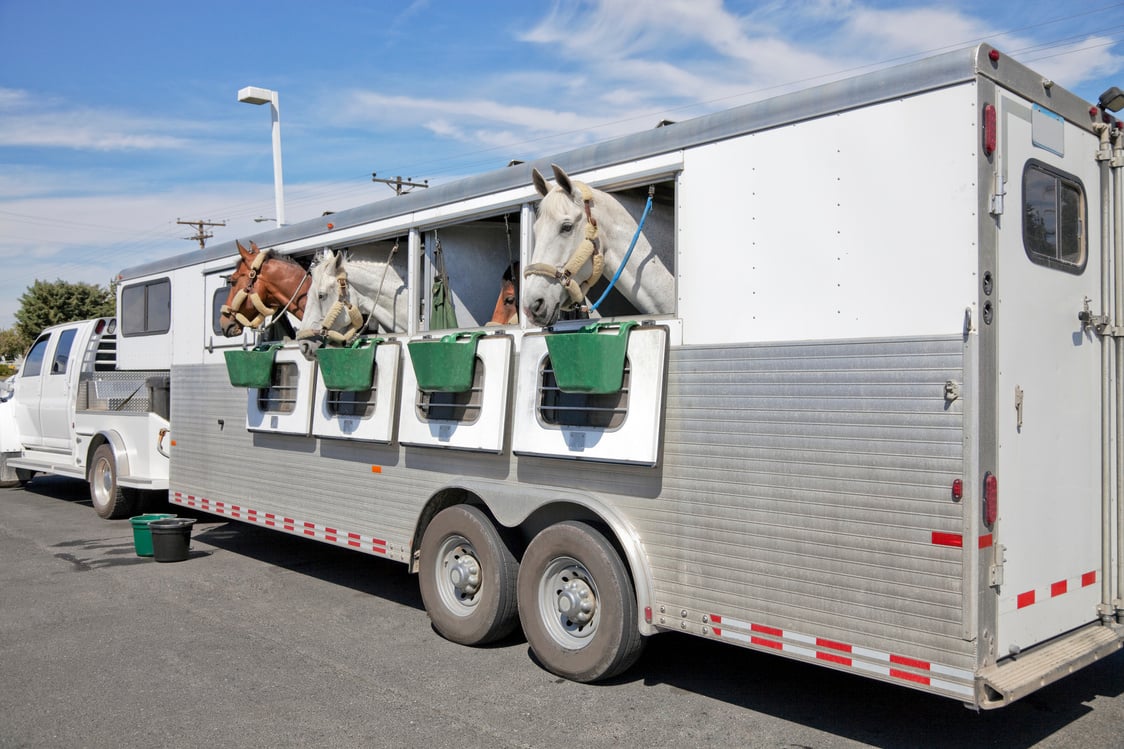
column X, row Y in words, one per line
column 398, row 183
column 200, row 235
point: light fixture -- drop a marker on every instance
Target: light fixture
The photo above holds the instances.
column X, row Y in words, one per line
column 1112, row 100
column 255, row 95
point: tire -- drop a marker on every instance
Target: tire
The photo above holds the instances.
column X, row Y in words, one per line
column 577, row 604
column 468, row 577
column 110, row 500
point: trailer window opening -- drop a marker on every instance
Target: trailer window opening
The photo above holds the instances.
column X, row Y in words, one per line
column 1054, row 218
column 146, row 308
column 352, row 404
column 217, row 301
column 281, row 396
column 559, row 408
column 463, row 407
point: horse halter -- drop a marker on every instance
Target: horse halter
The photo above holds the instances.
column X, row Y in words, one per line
column 264, row 312
column 589, row 249
column 343, row 303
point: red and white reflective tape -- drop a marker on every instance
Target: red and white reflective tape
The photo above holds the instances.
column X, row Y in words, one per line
column 1053, row 590
column 282, row 523
column 913, row 670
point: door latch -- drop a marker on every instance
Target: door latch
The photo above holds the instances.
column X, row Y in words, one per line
column 1018, row 408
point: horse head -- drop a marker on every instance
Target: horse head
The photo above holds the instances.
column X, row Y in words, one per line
column 260, row 289
column 507, row 305
column 329, row 312
column 566, row 259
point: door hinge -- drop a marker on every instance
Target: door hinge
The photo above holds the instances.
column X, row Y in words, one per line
column 998, row 194
column 995, row 572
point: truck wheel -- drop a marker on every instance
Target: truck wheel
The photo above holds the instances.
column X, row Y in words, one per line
column 577, row 604
column 467, row 577
column 110, row 502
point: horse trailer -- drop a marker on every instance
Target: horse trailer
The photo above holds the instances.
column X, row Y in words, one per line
column 869, row 417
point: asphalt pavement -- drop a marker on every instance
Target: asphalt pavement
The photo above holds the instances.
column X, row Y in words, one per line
column 261, row 639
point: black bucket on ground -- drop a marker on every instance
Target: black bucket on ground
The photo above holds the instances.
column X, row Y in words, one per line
column 171, row 538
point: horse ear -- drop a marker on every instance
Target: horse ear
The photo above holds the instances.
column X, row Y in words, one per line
column 540, row 182
column 242, row 251
column 254, row 246
column 562, row 179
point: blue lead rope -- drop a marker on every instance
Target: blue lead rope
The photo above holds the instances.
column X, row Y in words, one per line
column 627, row 255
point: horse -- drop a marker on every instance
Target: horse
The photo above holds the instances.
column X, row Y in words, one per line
column 262, row 288
column 507, row 305
column 348, row 294
column 581, row 233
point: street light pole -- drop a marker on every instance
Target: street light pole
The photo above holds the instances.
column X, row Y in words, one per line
column 255, row 95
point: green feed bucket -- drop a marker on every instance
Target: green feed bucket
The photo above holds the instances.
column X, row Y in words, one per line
column 142, row 534
column 253, row 368
column 588, row 361
column 447, row 365
column 350, row 368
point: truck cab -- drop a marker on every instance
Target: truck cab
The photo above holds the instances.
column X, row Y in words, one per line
column 74, row 413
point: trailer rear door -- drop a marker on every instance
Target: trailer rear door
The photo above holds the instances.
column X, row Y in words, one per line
column 1049, row 392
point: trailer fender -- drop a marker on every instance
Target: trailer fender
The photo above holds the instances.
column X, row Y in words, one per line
column 512, row 506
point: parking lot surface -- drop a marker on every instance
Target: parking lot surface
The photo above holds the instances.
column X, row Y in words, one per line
column 263, row 639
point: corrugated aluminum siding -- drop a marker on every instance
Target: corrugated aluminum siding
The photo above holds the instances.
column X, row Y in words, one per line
column 802, row 487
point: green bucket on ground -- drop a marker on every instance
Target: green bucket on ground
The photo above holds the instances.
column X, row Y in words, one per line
column 349, row 368
column 142, row 534
column 589, row 361
column 447, row 365
column 251, row 368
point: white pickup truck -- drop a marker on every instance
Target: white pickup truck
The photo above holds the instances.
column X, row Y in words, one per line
column 74, row 413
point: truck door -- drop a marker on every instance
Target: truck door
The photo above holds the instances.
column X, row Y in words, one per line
column 56, row 398
column 29, row 389
column 1048, row 380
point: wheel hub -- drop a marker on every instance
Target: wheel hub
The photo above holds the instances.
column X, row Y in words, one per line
column 576, row 602
column 464, row 574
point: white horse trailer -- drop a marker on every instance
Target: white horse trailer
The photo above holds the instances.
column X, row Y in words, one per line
column 878, row 429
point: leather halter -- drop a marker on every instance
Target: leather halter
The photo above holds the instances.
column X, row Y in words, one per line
column 264, row 312
column 588, row 250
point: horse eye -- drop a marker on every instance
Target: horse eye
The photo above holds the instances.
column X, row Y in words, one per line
column 567, row 227
column 509, row 300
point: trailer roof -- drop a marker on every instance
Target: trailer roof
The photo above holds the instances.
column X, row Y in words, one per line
column 908, row 79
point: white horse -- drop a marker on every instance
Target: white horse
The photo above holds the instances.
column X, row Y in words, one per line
column 571, row 252
column 349, row 294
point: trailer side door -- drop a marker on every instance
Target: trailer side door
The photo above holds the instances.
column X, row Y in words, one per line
column 1048, row 396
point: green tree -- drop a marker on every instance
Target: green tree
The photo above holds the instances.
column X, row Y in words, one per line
column 11, row 344
column 45, row 304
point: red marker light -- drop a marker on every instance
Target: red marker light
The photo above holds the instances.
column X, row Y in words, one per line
column 993, row 55
column 958, row 489
column 990, row 129
column 991, row 498
column 331, row 226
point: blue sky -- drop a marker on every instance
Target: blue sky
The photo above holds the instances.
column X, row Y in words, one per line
column 119, row 117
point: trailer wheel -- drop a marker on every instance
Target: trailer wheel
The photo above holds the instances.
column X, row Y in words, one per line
column 110, row 501
column 577, row 604
column 468, row 577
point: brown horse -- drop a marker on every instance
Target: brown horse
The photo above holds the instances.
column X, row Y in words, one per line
column 507, row 306
column 263, row 288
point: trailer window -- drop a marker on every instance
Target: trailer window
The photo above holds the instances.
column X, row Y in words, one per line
column 558, row 408
column 1053, row 218
column 462, row 407
column 217, row 301
column 146, row 308
column 360, row 404
column 281, row 396
column 33, row 362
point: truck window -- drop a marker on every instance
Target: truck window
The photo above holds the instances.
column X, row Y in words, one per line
column 33, row 362
column 1053, row 218
column 146, row 308
column 62, row 351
